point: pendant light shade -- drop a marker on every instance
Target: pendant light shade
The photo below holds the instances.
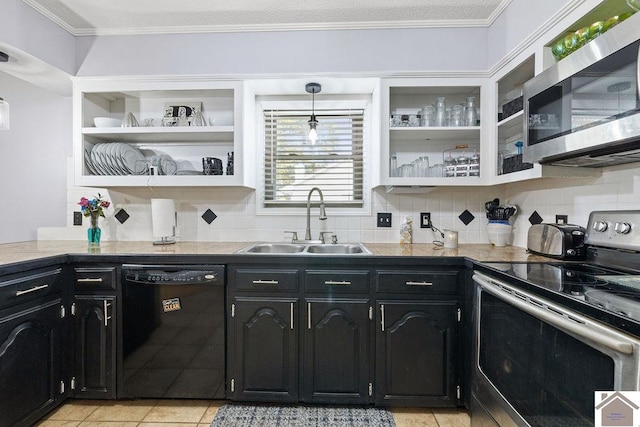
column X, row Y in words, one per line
column 4, row 105
column 313, row 88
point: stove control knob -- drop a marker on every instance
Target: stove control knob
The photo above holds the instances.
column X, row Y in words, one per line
column 622, row 227
column 600, row 226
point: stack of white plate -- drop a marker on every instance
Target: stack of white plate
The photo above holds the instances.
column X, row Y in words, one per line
column 115, row 158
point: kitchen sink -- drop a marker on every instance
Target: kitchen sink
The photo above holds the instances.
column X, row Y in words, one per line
column 309, row 249
column 338, row 248
column 274, row 248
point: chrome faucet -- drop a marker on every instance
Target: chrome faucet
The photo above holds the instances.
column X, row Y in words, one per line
column 323, row 213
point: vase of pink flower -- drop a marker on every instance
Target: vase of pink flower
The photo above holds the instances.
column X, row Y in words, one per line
column 93, row 208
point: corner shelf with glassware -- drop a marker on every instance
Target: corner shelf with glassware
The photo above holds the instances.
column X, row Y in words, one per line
column 511, row 125
column 157, row 133
column 431, row 132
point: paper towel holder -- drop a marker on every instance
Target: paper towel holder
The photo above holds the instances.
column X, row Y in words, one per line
column 164, row 218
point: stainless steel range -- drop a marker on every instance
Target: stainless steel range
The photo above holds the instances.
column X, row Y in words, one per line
column 548, row 335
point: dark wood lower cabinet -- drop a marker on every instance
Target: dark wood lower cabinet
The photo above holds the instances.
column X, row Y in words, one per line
column 417, row 356
column 31, row 363
column 263, row 348
column 337, row 351
column 95, row 347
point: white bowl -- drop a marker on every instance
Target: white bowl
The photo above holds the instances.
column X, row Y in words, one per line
column 499, row 234
column 106, row 122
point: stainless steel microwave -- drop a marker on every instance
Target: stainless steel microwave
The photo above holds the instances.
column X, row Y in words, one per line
column 585, row 110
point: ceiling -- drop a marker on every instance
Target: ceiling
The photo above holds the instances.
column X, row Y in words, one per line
column 100, row 17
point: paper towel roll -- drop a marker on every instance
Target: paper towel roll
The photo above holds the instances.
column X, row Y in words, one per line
column 163, row 217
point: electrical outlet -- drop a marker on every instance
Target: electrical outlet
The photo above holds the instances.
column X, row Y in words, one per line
column 425, row 220
column 77, row 218
column 384, row 219
column 562, row 219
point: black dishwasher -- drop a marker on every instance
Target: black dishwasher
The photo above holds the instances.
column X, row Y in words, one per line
column 173, row 332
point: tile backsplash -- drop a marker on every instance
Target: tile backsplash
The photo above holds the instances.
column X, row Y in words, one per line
column 236, row 218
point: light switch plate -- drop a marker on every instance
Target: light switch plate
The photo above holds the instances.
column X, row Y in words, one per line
column 77, row 218
column 384, row 219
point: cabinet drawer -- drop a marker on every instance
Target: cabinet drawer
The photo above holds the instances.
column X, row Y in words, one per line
column 18, row 288
column 88, row 279
column 440, row 282
column 336, row 281
column 266, row 279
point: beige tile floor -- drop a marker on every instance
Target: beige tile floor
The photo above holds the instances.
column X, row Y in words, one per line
column 200, row 413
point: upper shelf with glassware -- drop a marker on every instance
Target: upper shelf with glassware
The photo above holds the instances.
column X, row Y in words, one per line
column 432, row 134
column 178, row 133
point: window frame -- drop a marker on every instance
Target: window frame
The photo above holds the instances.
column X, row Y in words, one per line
column 336, row 102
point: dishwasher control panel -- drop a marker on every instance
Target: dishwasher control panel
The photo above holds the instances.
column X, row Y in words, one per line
column 174, row 275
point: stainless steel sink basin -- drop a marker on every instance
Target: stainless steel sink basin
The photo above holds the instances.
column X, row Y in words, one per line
column 339, row 248
column 309, row 249
column 274, row 248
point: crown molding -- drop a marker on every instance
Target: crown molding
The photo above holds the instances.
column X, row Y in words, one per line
column 51, row 16
column 310, row 26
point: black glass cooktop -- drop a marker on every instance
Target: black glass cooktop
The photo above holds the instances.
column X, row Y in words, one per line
column 600, row 286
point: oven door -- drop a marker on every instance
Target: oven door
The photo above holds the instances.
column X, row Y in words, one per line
column 538, row 364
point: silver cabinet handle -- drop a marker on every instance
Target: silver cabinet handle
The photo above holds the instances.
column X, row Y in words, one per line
column 333, row 282
column 382, row 316
column 90, row 279
column 292, row 316
column 106, row 306
column 34, row 289
column 419, row 283
column 309, row 315
column 265, row 282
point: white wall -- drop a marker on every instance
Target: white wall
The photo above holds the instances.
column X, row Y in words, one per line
column 33, row 152
column 517, row 22
column 23, row 28
column 287, row 52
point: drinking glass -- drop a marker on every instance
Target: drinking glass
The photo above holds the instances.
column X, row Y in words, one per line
column 441, row 111
column 428, row 115
column 423, row 166
column 471, row 112
column 456, row 115
column 393, row 166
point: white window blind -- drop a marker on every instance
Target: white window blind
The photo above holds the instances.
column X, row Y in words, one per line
column 293, row 165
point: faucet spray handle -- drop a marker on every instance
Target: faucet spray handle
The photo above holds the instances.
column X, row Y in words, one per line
column 323, row 212
column 294, row 236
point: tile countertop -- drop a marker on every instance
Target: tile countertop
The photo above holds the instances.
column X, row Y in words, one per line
column 27, row 251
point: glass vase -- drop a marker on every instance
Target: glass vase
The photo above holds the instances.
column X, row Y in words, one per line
column 93, row 232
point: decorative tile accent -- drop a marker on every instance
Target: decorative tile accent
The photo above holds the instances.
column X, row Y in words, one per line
column 535, row 218
column 466, row 217
column 122, row 216
column 209, row 216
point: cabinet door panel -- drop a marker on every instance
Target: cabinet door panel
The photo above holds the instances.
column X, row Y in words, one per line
column 30, row 357
column 266, row 350
column 417, row 353
column 337, row 351
column 95, row 347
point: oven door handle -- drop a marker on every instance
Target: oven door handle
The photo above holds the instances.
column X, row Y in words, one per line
column 554, row 315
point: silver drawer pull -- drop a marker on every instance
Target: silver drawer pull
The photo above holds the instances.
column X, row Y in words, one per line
column 90, row 279
column 419, row 283
column 265, row 282
column 332, row 282
column 28, row 291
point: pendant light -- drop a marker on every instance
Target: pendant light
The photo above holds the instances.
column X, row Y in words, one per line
column 4, row 105
column 313, row 88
